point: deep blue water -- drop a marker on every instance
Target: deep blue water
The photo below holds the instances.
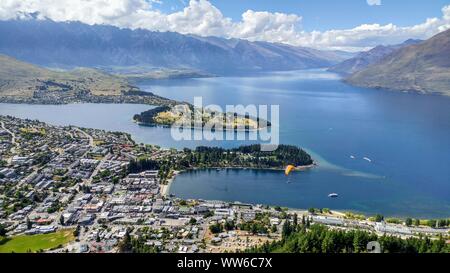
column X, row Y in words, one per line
column 407, row 137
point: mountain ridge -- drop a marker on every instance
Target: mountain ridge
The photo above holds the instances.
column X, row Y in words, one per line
column 71, row 44
column 422, row 68
column 365, row 59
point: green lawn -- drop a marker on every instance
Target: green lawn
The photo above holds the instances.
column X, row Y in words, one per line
column 33, row 243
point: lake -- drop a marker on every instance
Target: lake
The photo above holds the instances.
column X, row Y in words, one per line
column 406, row 137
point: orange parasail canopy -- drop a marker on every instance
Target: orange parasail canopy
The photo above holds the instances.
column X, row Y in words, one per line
column 289, row 169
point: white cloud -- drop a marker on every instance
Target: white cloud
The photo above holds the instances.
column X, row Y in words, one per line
column 199, row 17
column 274, row 27
column 374, row 2
column 202, row 18
column 446, row 12
column 90, row 12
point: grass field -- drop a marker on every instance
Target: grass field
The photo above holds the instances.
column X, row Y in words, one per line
column 33, row 243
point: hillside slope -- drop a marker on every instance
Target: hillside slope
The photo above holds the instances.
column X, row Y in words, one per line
column 364, row 59
column 23, row 82
column 423, row 68
column 22, row 79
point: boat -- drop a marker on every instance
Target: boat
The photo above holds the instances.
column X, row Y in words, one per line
column 352, row 157
column 333, row 195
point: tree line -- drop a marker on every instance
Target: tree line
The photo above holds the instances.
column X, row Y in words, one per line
column 306, row 238
column 245, row 156
column 214, row 157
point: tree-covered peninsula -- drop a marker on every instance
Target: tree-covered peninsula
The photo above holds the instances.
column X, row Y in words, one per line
column 212, row 157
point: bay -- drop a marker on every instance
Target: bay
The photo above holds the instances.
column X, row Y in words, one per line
column 405, row 136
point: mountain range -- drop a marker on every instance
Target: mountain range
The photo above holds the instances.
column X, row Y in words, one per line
column 366, row 58
column 423, row 68
column 74, row 44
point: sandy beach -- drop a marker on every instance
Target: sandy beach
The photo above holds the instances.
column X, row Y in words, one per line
column 165, row 189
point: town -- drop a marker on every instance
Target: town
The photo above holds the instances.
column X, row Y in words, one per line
column 94, row 191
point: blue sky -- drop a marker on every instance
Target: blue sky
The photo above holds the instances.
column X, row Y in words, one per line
column 324, row 15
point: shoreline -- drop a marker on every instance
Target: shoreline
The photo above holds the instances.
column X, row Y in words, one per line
column 165, row 192
column 147, row 124
column 165, row 188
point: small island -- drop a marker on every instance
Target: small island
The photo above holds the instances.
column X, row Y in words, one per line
column 185, row 116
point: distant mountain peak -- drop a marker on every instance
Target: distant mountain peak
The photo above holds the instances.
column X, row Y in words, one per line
column 412, row 42
column 367, row 58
